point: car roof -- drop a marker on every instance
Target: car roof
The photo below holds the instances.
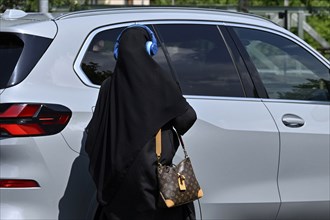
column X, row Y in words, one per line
column 17, row 21
column 13, row 19
column 39, row 23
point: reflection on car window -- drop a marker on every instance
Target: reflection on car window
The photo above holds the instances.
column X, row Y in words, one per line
column 99, row 63
column 286, row 69
column 201, row 60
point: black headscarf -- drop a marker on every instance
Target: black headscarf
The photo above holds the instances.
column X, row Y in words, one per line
column 131, row 107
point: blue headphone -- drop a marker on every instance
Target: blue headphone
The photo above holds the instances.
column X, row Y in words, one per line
column 151, row 46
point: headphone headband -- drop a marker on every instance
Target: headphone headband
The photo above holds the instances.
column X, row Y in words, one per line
column 151, row 46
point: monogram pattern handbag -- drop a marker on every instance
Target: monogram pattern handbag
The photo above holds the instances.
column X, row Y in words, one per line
column 177, row 183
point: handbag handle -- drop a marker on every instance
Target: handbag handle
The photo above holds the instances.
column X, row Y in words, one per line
column 159, row 145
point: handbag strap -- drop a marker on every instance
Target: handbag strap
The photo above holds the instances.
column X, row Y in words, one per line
column 159, row 145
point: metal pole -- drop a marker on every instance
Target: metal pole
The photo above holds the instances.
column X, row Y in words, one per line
column 243, row 5
column 43, row 6
column 301, row 20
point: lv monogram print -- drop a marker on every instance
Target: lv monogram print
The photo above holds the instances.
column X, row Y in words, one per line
column 178, row 184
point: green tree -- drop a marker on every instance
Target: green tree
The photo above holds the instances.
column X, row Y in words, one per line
column 195, row 2
column 5, row 4
column 32, row 5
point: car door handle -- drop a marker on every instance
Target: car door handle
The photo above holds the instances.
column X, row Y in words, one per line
column 292, row 121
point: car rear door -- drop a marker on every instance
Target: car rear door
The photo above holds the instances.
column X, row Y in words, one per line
column 298, row 86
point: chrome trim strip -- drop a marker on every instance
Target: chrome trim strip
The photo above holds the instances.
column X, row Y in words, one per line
column 223, row 98
column 296, row 101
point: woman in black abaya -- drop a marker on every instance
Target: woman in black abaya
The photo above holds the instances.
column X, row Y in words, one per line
column 138, row 100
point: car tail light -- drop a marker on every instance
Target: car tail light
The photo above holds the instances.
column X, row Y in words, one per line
column 19, row 120
column 18, row 183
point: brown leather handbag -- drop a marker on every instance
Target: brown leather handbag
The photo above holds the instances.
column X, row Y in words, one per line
column 177, row 183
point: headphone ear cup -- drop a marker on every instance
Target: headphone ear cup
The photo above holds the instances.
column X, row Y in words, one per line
column 148, row 47
column 153, row 49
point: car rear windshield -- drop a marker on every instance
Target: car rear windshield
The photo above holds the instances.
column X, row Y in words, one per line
column 18, row 55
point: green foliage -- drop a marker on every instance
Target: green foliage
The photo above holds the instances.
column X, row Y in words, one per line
column 33, row 5
column 194, row 2
column 94, row 74
column 296, row 3
column 266, row 3
column 5, row 4
column 321, row 23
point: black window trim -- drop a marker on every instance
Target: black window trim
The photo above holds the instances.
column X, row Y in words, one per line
column 246, row 79
column 258, row 84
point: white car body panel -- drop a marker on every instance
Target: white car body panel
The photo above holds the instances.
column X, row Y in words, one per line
column 45, row 159
column 305, row 157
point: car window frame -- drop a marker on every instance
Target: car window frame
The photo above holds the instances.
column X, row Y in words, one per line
column 238, row 60
column 81, row 53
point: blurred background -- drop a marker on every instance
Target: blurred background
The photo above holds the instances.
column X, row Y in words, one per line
column 309, row 19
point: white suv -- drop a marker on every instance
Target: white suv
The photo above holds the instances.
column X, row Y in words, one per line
column 260, row 146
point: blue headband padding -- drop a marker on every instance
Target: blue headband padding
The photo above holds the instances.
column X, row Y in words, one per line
column 151, row 46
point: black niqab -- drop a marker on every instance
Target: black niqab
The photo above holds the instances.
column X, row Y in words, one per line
column 132, row 106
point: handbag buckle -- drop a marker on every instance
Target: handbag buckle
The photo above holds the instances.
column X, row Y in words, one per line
column 181, row 182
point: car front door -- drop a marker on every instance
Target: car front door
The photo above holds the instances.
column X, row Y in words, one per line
column 298, row 86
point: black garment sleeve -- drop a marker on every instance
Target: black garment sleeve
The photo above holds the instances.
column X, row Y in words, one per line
column 184, row 122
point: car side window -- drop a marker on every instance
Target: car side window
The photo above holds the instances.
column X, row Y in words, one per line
column 98, row 62
column 201, row 60
column 286, row 69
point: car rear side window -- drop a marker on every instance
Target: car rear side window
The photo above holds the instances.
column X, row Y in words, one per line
column 286, row 69
column 201, row 60
column 18, row 55
column 98, row 62
column 11, row 48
